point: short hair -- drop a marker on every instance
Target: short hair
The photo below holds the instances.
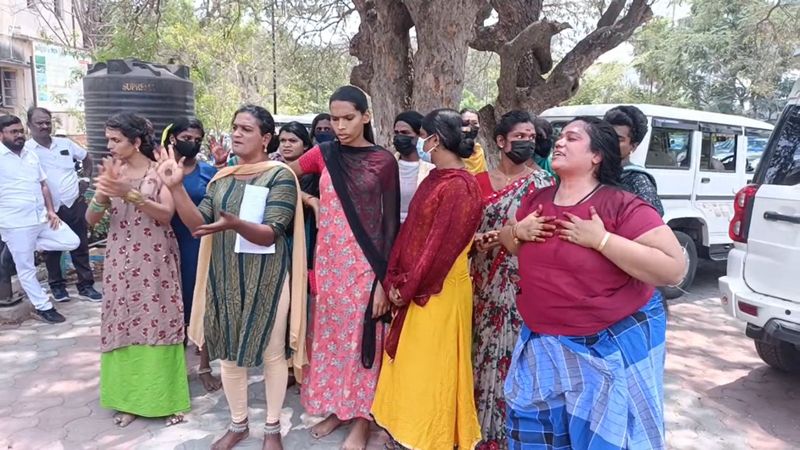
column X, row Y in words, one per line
column 33, row 109
column 8, row 120
column 631, row 117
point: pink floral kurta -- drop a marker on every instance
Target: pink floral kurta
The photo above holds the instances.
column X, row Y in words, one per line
column 337, row 382
column 142, row 303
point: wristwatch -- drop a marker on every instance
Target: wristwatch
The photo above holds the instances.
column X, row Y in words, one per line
column 134, row 197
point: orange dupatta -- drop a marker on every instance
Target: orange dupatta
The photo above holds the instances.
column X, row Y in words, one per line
column 299, row 274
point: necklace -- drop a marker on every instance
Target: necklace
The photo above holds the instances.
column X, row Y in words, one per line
column 509, row 178
column 585, row 197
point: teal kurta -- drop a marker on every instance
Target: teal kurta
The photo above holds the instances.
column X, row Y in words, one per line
column 243, row 289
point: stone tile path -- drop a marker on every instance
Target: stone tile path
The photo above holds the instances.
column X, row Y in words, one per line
column 719, row 395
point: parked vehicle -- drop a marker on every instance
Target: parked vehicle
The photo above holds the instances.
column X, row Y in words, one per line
column 699, row 160
column 761, row 287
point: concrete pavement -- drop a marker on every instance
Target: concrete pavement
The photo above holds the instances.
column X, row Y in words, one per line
column 719, row 395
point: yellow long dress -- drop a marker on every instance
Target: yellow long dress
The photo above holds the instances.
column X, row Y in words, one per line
column 430, row 380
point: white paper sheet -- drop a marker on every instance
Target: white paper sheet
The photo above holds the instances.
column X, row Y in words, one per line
column 254, row 201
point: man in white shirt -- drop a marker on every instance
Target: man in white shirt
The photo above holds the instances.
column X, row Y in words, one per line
column 28, row 221
column 57, row 156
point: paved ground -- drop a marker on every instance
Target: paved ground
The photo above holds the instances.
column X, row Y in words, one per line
column 719, row 395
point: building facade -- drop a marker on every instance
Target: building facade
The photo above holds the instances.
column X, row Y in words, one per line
column 42, row 62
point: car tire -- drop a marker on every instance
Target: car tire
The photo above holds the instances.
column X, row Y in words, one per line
column 780, row 355
column 690, row 252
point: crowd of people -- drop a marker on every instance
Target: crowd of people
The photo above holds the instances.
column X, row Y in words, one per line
column 451, row 304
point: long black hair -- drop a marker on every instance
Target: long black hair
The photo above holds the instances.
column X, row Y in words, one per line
column 299, row 130
column 181, row 125
column 446, row 123
column 603, row 141
column 133, row 126
column 359, row 100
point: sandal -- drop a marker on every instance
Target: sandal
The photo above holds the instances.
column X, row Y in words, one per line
column 175, row 419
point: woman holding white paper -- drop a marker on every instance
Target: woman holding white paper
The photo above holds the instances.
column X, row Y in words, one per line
column 242, row 296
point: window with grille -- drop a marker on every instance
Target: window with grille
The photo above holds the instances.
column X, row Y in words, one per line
column 8, row 88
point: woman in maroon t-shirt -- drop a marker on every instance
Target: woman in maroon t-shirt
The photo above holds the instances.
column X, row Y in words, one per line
column 588, row 368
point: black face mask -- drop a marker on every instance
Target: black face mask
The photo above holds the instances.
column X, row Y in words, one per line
column 404, row 145
column 324, row 136
column 543, row 147
column 187, row 149
column 521, row 151
column 472, row 133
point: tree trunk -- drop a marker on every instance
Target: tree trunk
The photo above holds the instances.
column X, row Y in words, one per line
column 383, row 48
column 444, row 29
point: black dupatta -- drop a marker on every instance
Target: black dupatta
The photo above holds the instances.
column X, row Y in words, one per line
column 367, row 183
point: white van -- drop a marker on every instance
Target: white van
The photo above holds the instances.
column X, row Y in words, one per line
column 760, row 287
column 700, row 160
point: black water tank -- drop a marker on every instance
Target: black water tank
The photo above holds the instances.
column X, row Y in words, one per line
column 161, row 93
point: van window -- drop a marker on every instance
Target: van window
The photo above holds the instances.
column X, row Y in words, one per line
column 756, row 143
column 718, row 152
column 669, row 149
column 783, row 159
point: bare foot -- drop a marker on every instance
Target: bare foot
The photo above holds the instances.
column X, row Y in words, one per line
column 325, row 427
column 123, row 419
column 230, row 439
column 210, row 382
column 359, row 433
column 272, row 441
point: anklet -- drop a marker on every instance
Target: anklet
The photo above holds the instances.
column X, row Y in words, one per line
column 272, row 429
column 238, row 427
column 203, row 371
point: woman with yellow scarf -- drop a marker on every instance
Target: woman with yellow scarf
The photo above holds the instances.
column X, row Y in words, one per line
column 252, row 251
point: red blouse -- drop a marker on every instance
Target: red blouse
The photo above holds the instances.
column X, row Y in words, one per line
column 312, row 161
column 569, row 290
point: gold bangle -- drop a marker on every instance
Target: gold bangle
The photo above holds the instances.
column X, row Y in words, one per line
column 603, row 243
column 97, row 207
column 514, row 233
column 134, row 197
column 98, row 203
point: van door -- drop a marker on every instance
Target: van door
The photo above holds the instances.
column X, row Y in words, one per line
column 669, row 158
column 772, row 263
column 719, row 176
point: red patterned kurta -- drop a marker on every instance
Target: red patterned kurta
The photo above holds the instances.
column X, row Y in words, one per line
column 142, row 303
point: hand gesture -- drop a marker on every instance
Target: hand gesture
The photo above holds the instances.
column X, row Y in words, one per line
column 395, row 298
column 169, row 170
column 111, row 182
column 218, row 152
column 226, row 221
column 535, row 227
column 380, row 305
column 487, row 241
column 586, row 233
column 54, row 220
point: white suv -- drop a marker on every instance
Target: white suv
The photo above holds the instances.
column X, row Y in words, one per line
column 762, row 286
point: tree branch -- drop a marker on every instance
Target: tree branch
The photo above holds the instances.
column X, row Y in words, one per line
column 611, row 14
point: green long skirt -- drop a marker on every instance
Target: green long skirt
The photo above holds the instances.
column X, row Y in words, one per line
column 145, row 380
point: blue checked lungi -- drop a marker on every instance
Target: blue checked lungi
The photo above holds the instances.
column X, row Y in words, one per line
column 604, row 391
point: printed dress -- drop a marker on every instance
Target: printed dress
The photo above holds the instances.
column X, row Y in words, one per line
column 496, row 322
column 336, row 381
column 142, row 367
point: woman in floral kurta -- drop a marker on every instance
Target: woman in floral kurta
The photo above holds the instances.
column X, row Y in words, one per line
column 496, row 322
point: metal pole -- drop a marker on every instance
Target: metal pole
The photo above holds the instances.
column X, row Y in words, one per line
column 274, row 66
column 33, row 76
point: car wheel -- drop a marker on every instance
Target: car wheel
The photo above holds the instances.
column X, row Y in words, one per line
column 690, row 254
column 780, row 355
